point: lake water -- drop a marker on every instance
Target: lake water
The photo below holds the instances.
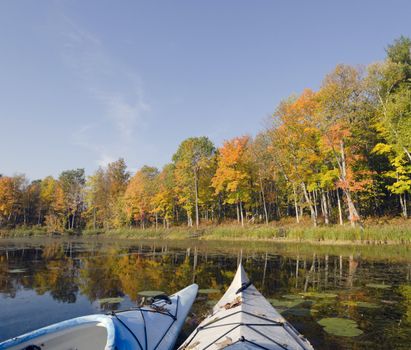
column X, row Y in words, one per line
column 43, row 281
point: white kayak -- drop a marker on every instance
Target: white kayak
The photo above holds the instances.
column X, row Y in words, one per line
column 145, row 328
column 244, row 319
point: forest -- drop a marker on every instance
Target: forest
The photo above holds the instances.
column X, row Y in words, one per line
column 337, row 156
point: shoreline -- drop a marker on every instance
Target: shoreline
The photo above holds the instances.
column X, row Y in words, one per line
column 376, row 252
column 373, row 235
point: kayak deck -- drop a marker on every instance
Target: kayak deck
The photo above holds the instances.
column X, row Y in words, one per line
column 244, row 319
column 147, row 328
column 93, row 332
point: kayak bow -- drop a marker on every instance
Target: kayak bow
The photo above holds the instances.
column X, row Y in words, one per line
column 244, row 319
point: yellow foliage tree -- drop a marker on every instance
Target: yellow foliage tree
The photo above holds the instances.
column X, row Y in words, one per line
column 140, row 193
column 233, row 176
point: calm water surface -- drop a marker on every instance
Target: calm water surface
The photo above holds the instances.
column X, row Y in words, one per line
column 49, row 280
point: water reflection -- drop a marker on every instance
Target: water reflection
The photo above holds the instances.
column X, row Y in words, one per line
column 306, row 285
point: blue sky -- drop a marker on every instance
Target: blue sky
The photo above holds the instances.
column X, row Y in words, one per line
column 83, row 83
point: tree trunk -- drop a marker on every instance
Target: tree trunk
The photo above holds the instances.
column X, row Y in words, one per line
column 354, row 216
column 189, row 220
column 322, row 205
column 329, row 203
column 310, row 204
column 403, row 202
column 39, row 217
column 314, row 201
column 241, row 214
column 264, row 203
column 297, row 218
column 238, row 211
column 325, row 208
column 407, row 153
column 196, row 197
column 339, row 208
column 156, row 221
column 405, row 206
column 220, row 208
column 73, row 220
column 352, row 210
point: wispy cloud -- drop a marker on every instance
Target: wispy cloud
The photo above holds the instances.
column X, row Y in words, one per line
column 117, row 89
column 105, row 160
column 83, row 137
column 127, row 115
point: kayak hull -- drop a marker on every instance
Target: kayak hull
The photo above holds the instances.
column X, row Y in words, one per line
column 151, row 327
column 244, row 319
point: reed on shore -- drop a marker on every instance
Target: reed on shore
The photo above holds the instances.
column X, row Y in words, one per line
column 382, row 232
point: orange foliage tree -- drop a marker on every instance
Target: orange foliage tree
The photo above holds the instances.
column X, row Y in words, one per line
column 233, row 176
column 140, row 194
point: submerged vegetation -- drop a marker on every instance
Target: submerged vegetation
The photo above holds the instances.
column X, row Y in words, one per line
column 338, row 156
column 340, row 326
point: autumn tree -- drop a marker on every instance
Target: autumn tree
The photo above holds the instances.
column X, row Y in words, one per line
column 262, row 164
column 295, row 141
column 165, row 199
column 389, row 87
column 140, row 194
column 192, row 158
column 343, row 115
column 233, row 176
column 52, row 204
column 98, row 199
column 72, row 183
column 31, row 201
column 117, row 178
column 105, row 192
column 8, row 199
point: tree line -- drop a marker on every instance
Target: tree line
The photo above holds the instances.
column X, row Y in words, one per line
column 339, row 154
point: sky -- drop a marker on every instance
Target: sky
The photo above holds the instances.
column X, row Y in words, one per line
column 83, row 83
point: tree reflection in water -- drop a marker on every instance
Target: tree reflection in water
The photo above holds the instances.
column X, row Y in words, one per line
column 322, row 283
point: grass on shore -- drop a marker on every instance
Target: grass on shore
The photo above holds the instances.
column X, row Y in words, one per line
column 383, row 234
column 394, row 232
column 318, row 234
column 23, row 231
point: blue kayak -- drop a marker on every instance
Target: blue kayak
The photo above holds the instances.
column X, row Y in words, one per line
column 155, row 326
